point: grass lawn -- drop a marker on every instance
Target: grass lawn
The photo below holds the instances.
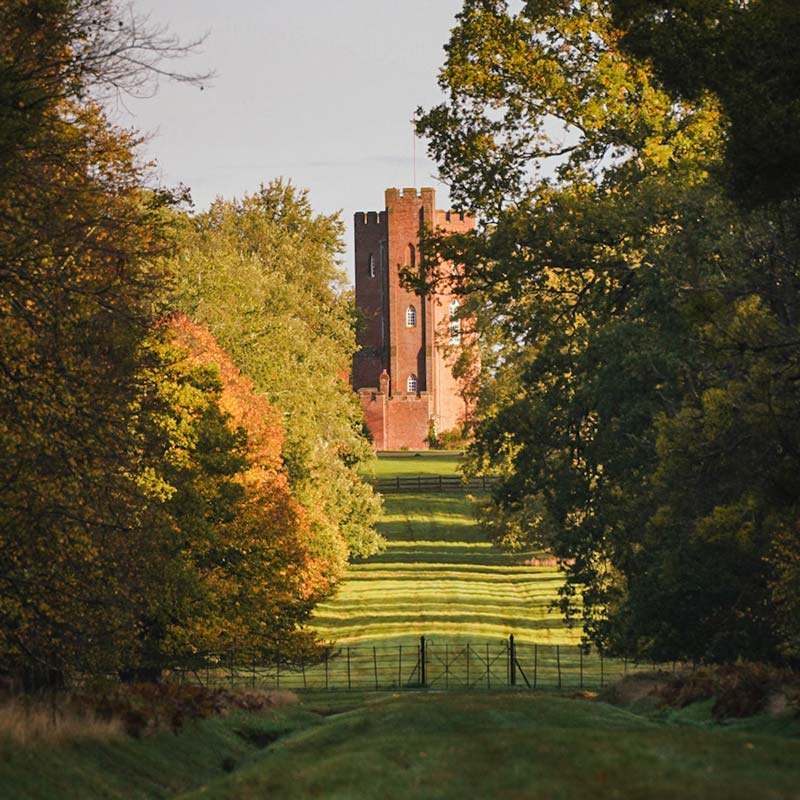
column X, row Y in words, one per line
column 390, row 465
column 502, row 745
column 439, row 577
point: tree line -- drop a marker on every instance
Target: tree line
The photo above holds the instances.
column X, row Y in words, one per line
column 634, row 287
column 179, row 448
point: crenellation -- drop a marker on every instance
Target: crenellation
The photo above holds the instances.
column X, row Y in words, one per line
column 369, row 218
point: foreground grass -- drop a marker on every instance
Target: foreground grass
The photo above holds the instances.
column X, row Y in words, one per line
column 512, row 745
column 439, row 576
column 118, row 766
column 424, row 745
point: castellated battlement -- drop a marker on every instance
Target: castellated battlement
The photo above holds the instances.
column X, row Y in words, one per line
column 395, row 197
column 408, row 193
column 369, row 218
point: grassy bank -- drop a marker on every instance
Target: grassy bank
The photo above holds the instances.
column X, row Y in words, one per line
column 431, row 745
column 390, row 465
column 511, row 745
column 116, row 765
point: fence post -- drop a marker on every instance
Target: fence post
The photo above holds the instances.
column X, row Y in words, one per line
column 326, row 670
column 468, row 683
column 558, row 664
column 375, row 664
column 535, row 664
column 512, row 660
column 580, row 650
column 400, row 667
column 488, row 669
column 277, row 671
column 446, row 665
column 423, row 670
column 349, row 685
column 440, row 483
column 602, row 676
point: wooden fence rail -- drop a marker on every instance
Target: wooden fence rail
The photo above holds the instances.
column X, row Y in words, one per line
column 432, row 484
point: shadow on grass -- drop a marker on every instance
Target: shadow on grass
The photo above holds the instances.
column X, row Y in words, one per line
column 431, row 618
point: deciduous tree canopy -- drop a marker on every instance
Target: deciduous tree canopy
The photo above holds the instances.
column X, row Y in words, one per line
column 639, row 391
column 262, row 274
column 746, row 53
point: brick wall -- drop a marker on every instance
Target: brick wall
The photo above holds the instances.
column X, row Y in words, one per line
column 397, row 422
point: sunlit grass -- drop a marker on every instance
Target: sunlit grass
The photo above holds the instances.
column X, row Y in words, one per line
column 411, row 463
column 36, row 724
column 439, row 577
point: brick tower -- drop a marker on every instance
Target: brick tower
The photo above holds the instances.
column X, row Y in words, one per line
column 402, row 371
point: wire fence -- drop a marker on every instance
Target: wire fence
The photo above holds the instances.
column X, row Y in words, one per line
column 431, row 663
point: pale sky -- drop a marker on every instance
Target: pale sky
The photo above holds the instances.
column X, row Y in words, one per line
column 318, row 92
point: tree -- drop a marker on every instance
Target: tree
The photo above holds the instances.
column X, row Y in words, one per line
column 746, row 54
column 262, row 274
column 236, row 570
column 639, row 334
column 79, row 287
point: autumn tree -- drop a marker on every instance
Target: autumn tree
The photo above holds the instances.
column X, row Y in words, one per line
column 234, row 569
column 262, row 273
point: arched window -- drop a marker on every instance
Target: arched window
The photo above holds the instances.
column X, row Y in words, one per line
column 411, row 317
column 411, row 384
column 412, row 256
column 372, row 265
column 455, row 324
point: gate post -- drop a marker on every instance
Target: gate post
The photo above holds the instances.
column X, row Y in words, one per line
column 512, row 660
column 423, row 672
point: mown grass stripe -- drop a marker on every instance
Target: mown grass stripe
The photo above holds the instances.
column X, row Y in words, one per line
column 439, row 576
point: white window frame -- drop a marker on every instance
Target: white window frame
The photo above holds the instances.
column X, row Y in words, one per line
column 455, row 324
